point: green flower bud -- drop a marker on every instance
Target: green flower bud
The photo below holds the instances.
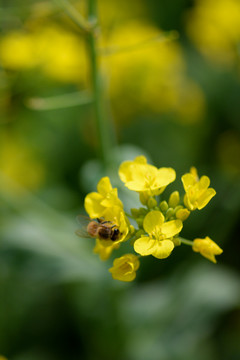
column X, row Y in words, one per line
column 169, row 213
column 142, row 211
column 135, row 212
column 174, row 199
column 163, row 206
column 143, row 197
column 152, row 202
column 140, row 221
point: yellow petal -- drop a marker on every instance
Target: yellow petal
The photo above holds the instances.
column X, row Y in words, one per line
column 136, row 185
column 205, row 198
column 144, row 245
column 140, row 159
column 171, row 228
column 125, row 172
column 193, row 171
column 92, row 204
column 104, row 251
column 163, row 249
column 204, row 182
column 104, row 186
column 164, row 177
column 188, row 181
column 111, row 199
column 152, row 221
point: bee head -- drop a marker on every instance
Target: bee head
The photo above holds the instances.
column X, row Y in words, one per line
column 115, row 234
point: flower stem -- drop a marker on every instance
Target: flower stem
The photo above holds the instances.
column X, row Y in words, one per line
column 102, row 122
column 186, row 242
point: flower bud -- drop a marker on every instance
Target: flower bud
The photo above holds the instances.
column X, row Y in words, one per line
column 174, row 199
column 182, row 214
column 169, row 213
column 152, row 202
column 143, row 197
column 135, row 212
column 142, row 211
column 140, row 221
column 163, row 206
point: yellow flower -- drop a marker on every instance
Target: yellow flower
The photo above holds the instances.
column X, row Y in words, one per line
column 207, row 248
column 214, row 26
column 125, row 267
column 154, row 73
column 159, row 242
column 106, row 204
column 142, row 177
column 198, row 194
column 19, row 163
column 17, row 51
column 96, row 203
column 104, row 251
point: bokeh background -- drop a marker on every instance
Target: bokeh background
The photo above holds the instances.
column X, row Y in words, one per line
column 171, row 75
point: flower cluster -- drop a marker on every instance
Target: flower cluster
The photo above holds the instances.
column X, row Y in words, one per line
column 159, row 222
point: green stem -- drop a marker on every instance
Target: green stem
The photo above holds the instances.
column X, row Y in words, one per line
column 186, row 242
column 102, row 122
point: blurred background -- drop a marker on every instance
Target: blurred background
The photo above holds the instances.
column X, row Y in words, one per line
column 171, row 81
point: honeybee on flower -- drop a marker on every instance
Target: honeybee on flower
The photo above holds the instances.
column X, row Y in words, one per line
column 158, row 222
column 99, row 229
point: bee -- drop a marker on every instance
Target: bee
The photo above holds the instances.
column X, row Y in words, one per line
column 99, row 228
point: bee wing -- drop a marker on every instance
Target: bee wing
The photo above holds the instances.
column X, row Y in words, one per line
column 83, row 222
column 82, row 233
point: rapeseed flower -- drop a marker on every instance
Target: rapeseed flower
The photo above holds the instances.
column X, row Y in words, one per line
column 158, row 222
column 96, row 203
column 198, row 194
column 207, row 248
column 154, row 73
column 214, row 26
column 106, row 204
column 125, row 267
column 141, row 177
column 158, row 242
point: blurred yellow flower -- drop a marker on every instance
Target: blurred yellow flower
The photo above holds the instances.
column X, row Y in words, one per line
column 59, row 53
column 207, row 248
column 198, row 194
column 62, row 54
column 159, row 242
column 125, row 267
column 18, row 162
column 17, row 51
column 96, row 203
column 214, row 26
column 104, row 251
column 147, row 71
column 139, row 176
